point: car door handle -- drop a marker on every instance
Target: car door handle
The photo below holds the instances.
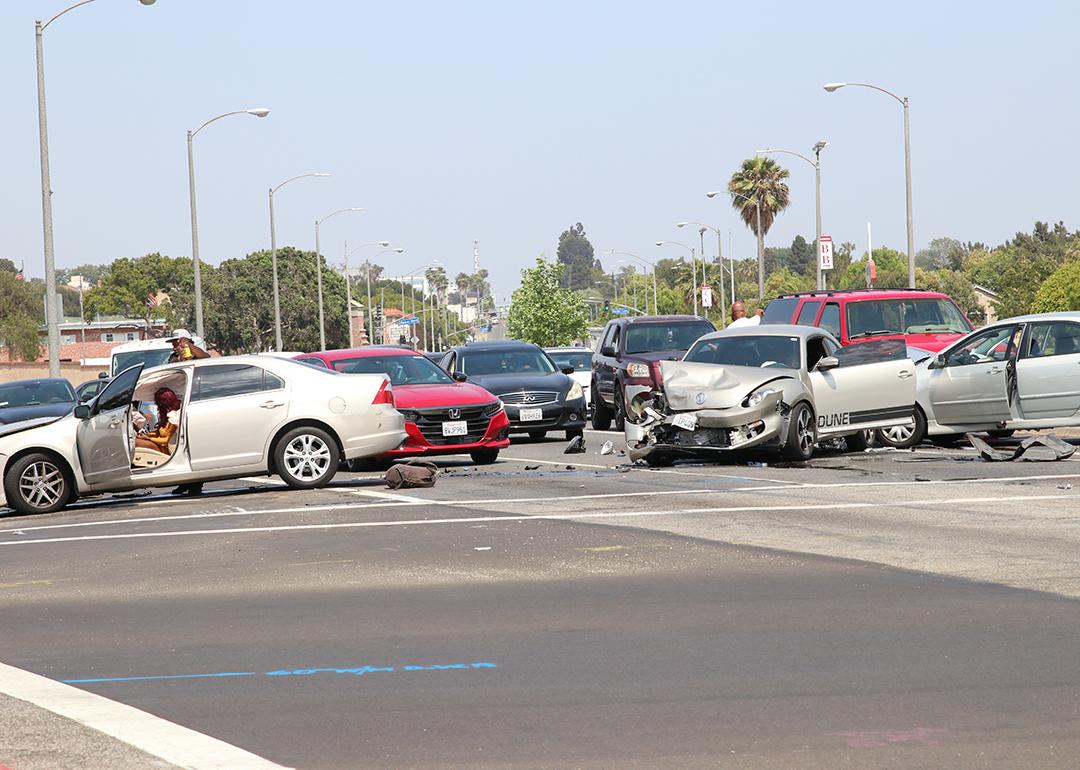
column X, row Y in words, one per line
column 271, row 404
column 903, row 374
column 995, row 371
column 115, row 423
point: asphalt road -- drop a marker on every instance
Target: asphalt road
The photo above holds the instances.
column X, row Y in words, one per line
column 889, row 609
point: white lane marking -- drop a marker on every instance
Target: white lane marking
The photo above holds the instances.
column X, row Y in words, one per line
column 264, row 480
column 605, row 432
column 540, row 517
column 717, row 475
column 166, row 740
column 387, row 496
column 395, row 503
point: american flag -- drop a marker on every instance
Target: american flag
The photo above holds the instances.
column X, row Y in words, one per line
column 151, row 299
column 20, row 276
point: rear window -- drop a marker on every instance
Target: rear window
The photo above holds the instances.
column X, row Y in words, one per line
column 653, row 338
column 780, row 310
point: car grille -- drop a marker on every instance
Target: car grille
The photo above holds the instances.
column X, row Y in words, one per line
column 530, row 398
column 429, row 422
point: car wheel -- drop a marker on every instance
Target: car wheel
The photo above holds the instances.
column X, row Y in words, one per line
column 484, row 456
column 601, row 413
column 801, row 434
column 537, row 434
column 306, row 458
column 857, row 442
column 619, row 421
column 903, row 436
column 37, row 484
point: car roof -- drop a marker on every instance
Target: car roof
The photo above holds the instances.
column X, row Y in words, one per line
column 496, row 345
column 363, row 352
column 569, row 349
column 1064, row 315
column 661, row 319
column 773, row 330
column 36, row 381
column 860, row 294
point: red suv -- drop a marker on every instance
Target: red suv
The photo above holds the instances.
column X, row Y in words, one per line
column 442, row 414
column 923, row 319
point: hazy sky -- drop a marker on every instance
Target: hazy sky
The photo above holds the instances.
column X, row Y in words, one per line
column 508, row 121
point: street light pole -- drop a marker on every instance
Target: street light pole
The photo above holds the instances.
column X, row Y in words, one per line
column 318, row 272
column 52, row 323
column 816, row 163
column 905, row 103
column 719, row 257
column 760, row 239
column 693, row 266
column 648, row 264
column 273, row 256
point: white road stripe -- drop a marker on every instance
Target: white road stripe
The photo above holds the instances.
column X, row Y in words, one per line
column 264, row 480
column 159, row 737
column 387, row 496
column 542, row 517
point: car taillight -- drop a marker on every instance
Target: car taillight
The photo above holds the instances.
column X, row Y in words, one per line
column 385, row 394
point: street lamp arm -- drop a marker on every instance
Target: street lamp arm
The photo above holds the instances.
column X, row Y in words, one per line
column 352, row 251
column 789, row 152
column 628, row 254
column 69, row 8
column 900, row 99
column 700, row 224
column 261, row 112
column 673, row 243
column 334, row 214
column 294, row 178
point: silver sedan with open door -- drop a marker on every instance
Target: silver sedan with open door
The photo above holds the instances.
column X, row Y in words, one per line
column 228, row 417
column 776, row 387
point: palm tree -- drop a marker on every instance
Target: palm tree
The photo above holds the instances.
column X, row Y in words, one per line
column 759, row 193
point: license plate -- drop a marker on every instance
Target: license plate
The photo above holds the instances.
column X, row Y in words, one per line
column 685, row 421
column 531, row 415
column 455, row 428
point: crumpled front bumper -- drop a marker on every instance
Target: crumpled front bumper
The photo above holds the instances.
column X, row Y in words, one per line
column 713, row 431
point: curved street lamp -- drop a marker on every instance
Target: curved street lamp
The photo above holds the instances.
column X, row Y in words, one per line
column 259, row 112
column 348, row 288
column 52, row 321
column 318, row 270
column 647, row 263
column 693, row 265
column 816, row 163
column 760, row 237
column 831, row 87
column 719, row 256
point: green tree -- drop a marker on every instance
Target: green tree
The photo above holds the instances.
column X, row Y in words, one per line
column 91, row 273
column 124, row 289
column 542, row 311
column 20, row 314
column 1059, row 292
column 957, row 285
column 577, row 254
column 941, row 253
column 758, row 190
column 803, row 259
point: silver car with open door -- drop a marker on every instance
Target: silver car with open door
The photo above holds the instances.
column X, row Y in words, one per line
column 775, row 387
column 237, row 416
column 1018, row 373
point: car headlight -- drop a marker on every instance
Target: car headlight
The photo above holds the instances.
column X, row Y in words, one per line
column 637, row 370
column 758, row 396
column 575, row 392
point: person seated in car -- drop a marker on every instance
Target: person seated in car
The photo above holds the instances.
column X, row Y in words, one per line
column 168, row 408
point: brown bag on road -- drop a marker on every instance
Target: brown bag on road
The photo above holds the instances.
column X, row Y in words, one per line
column 416, row 473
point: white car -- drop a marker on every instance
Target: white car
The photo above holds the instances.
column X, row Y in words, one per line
column 239, row 416
column 776, row 387
column 580, row 359
column 1019, row 373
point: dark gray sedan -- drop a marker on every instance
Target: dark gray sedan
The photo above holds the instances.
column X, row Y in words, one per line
column 29, row 399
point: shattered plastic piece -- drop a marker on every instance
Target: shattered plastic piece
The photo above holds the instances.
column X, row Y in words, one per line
column 532, row 467
column 756, row 464
column 576, row 446
column 571, row 468
column 1059, row 449
column 1064, row 486
column 624, row 468
column 607, row 448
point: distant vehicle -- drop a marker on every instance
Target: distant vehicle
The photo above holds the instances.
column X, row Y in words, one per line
column 89, row 389
column 1019, row 373
column 537, row 395
column 442, row 415
column 580, row 359
column 433, row 356
column 23, row 400
column 626, row 367
column 149, row 353
column 239, row 415
column 923, row 319
column 781, row 388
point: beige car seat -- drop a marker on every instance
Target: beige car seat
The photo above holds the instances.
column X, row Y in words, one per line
column 152, row 458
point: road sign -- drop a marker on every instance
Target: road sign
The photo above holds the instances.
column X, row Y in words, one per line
column 706, row 295
column 409, row 321
column 825, row 253
column 620, row 310
column 414, row 340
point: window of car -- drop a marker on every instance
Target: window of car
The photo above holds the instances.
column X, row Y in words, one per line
column 994, row 344
column 780, row 310
column 580, row 360
column 1052, row 339
column 35, row 392
column 818, row 348
column 402, row 370
column 448, row 361
column 908, row 315
column 830, row 319
column 226, row 380
column 758, row 350
column 808, row 312
column 871, row 352
column 511, row 361
column 615, row 336
column 313, row 361
column 117, row 393
column 655, row 337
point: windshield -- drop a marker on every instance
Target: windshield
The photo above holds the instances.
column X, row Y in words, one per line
column 580, row 360
column 746, row 350
column 148, row 358
column 514, row 361
column 35, row 393
column 402, row 370
column 652, row 338
column 910, row 315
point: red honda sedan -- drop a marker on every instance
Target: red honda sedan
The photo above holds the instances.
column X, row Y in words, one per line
column 442, row 415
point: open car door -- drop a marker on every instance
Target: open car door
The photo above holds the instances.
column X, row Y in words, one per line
column 102, row 440
column 970, row 382
column 865, row 385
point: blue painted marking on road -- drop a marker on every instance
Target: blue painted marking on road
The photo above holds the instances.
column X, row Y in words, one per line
column 355, row 671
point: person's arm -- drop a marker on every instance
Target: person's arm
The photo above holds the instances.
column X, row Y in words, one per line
column 160, row 437
column 197, row 352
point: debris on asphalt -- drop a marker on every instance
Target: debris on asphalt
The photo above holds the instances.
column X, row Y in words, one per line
column 576, row 446
column 624, row 468
column 607, row 448
column 411, row 475
column 1064, row 486
column 756, row 464
column 571, row 468
column 1058, row 449
column 532, row 467
column 482, row 548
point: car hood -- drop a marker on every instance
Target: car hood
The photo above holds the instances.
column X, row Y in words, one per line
column 14, row 414
column 658, row 355
column 429, row 396
column 507, row 383
column 691, row 386
column 33, row 422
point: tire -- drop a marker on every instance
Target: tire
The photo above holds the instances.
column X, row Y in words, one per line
column 903, row 438
column 37, row 483
column 801, row 434
column 574, row 433
column 306, row 458
column 484, row 456
column 618, row 423
column 601, row 413
column 857, row 442
column 537, row 434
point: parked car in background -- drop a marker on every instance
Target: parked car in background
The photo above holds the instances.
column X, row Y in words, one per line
column 443, row 416
column 923, row 319
column 89, row 389
column 779, row 388
column 1019, row 373
column 23, row 400
column 149, row 353
column 537, row 395
column 626, row 367
column 580, row 359
column 239, row 415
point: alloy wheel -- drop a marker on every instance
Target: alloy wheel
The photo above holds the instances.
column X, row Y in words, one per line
column 898, row 434
column 42, row 484
column 307, row 458
column 805, row 431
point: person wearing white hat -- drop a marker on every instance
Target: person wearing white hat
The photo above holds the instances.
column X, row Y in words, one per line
column 183, row 348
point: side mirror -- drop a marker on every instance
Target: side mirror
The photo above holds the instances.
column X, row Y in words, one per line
column 939, row 361
column 826, row 363
column 608, row 351
column 82, row 411
column 567, row 370
column 459, row 376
